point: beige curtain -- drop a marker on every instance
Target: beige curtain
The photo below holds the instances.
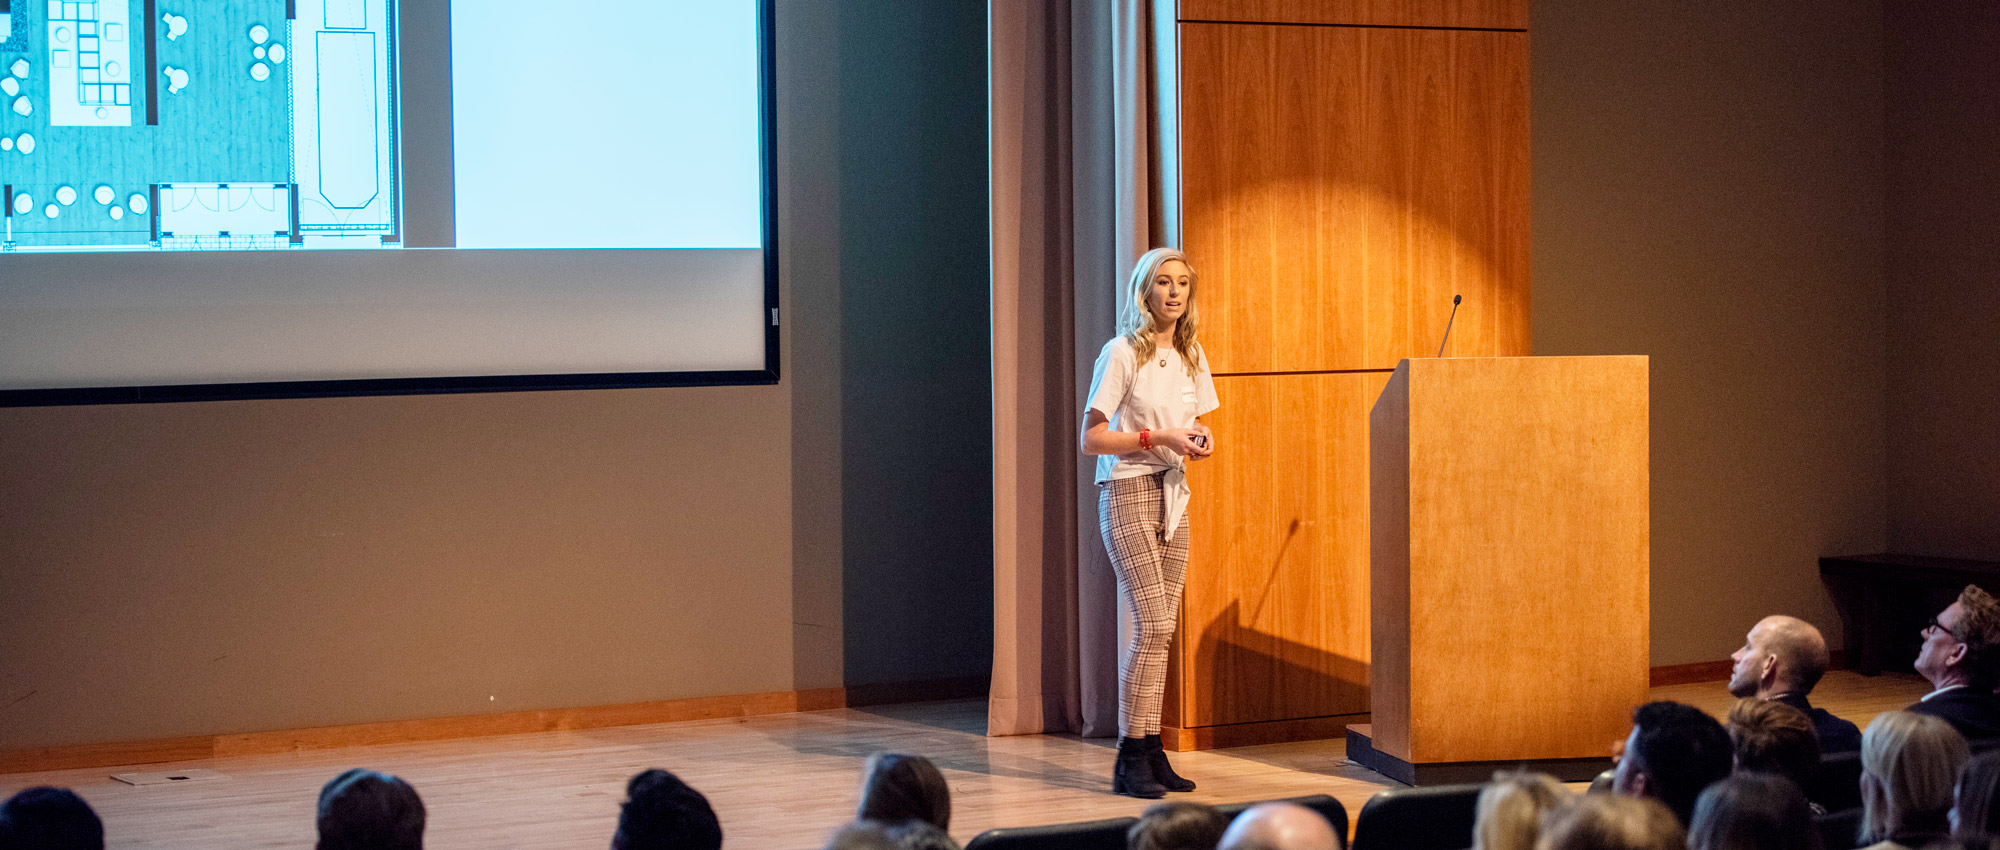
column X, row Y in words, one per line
column 1069, row 102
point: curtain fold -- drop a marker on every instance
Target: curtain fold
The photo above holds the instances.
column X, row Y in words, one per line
column 1070, row 170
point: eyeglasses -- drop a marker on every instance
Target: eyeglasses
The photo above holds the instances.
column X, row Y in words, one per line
column 1941, row 627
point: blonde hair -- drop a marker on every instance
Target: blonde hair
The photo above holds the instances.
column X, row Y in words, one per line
column 1135, row 316
column 1909, row 763
column 1612, row 822
column 1511, row 809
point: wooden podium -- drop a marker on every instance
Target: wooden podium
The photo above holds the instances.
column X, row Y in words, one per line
column 1508, row 563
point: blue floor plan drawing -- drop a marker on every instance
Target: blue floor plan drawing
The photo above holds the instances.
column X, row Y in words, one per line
column 198, row 125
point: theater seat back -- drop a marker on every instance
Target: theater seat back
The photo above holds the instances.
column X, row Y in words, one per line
column 1836, row 786
column 1837, row 830
column 1106, row 834
column 1435, row 818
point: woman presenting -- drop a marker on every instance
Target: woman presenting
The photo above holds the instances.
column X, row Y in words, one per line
column 1151, row 385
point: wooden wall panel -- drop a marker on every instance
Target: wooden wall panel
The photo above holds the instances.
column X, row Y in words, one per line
column 1341, row 184
column 1275, row 622
column 1496, row 14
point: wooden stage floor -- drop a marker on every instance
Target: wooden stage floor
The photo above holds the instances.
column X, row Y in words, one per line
column 780, row 781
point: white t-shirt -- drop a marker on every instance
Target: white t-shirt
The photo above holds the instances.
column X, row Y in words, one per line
column 1136, row 396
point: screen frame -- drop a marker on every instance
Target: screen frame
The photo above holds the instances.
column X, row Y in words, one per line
column 767, row 376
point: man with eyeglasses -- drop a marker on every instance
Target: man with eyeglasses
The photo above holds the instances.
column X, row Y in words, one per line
column 1961, row 658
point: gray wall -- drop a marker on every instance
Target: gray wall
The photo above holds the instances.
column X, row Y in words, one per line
column 191, row 569
column 1708, row 190
column 916, row 370
column 1944, row 277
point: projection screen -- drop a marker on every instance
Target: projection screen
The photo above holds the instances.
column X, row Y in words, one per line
column 267, row 198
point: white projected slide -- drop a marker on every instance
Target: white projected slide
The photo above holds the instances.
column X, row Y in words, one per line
column 607, row 154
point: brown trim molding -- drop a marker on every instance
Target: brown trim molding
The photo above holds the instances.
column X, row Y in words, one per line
column 477, row 725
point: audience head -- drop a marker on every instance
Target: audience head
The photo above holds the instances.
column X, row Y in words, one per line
column 1772, row 737
column 920, row 835
column 1511, row 808
column 1978, row 785
column 1780, row 655
column 1752, row 811
column 1612, row 822
column 1177, row 826
column 1909, row 763
column 45, row 818
column 899, row 787
column 1279, row 826
column 365, row 810
column 1673, row 753
column 1963, row 645
column 861, row 835
column 663, row 813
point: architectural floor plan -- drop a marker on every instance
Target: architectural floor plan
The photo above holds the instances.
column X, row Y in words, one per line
column 198, row 125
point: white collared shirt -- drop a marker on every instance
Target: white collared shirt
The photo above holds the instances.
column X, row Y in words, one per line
column 1927, row 697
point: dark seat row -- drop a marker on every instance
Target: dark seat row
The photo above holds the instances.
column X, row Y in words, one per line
column 1109, row 834
column 1434, row 818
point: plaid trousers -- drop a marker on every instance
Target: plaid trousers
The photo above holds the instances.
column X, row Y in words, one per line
column 1151, row 576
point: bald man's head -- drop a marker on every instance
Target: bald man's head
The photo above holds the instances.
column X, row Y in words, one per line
column 1279, row 826
column 1780, row 655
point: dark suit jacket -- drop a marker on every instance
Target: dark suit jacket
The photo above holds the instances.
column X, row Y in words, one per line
column 1835, row 735
column 1975, row 714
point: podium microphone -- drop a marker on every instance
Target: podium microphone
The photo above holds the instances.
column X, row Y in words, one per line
column 1447, row 325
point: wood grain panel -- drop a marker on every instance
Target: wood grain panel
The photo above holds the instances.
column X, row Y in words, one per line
column 1275, row 621
column 1341, row 184
column 1497, row 14
column 1527, row 558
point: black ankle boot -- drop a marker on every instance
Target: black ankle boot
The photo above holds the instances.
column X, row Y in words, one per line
column 1133, row 775
column 1163, row 773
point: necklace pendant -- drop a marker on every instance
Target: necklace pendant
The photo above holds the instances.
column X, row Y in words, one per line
column 1163, row 361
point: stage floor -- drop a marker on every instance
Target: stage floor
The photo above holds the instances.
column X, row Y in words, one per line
column 782, row 781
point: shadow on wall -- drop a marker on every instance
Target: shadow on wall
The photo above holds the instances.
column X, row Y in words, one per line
column 1271, row 677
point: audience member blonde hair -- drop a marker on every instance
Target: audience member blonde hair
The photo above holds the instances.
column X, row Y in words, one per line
column 1612, row 822
column 1511, row 809
column 1753, row 811
column 1909, row 763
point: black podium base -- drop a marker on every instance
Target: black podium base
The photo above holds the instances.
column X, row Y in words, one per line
column 1361, row 750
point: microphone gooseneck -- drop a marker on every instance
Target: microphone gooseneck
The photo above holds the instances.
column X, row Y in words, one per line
column 1447, row 324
